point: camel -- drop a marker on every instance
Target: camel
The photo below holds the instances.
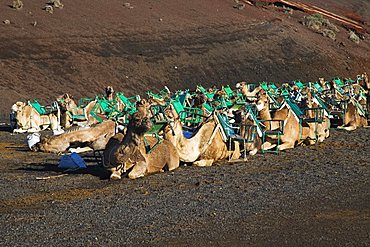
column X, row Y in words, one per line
column 320, row 129
column 246, row 119
column 354, row 116
column 204, row 148
column 94, row 138
column 29, row 120
column 324, row 85
column 250, row 95
column 293, row 132
column 71, row 111
column 142, row 154
column 363, row 81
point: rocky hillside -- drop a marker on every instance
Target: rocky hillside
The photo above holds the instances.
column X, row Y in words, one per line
column 143, row 45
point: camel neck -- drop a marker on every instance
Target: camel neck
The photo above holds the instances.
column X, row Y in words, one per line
column 265, row 114
column 132, row 137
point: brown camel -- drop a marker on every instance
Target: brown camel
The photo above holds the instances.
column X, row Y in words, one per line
column 94, row 138
column 354, row 116
column 143, row 155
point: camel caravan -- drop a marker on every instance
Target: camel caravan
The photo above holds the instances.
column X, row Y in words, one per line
column 138, row 136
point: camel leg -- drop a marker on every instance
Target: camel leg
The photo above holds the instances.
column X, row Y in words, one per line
column 348, row 128
column 19, row 131
column 203, row 163
column 80, row 150
column 267, row 145
column 33, row 130
column 116, row 173
column 173, row 165
column 139, row 170
column 253, row 151
column 286, row 145
column 236, row 153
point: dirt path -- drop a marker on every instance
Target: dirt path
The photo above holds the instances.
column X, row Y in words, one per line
column 316, row 195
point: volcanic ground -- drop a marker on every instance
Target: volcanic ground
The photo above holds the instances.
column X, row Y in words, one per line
column 314, row 195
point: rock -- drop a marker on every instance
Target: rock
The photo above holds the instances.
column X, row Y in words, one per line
column 128, row 5
column 6, row 22
column 56, row 4
column 17, row 4
column 239, row 6
column 49, row 9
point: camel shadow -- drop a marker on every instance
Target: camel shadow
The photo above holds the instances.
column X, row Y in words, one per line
column 5, row 128
column 94, row 170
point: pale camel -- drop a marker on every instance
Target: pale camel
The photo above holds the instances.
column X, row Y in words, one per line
column 70, row 109
column 321, row 129
column 79, row 140
column 248, row 128
column 250, row 95
column 354, row 116
column 29, row 120
column 293, row 133
column 205, row 147
column 143, row 155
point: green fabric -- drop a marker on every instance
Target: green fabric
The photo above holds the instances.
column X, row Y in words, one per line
column 39, row 108
column 318, row 87
column 294, row 107
column 299, row 84
column 229, row 92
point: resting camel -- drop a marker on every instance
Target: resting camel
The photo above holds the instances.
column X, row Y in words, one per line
column 79, row 140
column 321, row 129
column 142, row 154
column 29, row 120
column 250, row 95
column 293, row 132
column 354, row 116
column 204, row 148
column 245, row 119
column 70, row 109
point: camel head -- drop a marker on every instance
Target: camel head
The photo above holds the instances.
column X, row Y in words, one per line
column 18, row 112
column 41, row 146
column 199, row 99
column 15, row 114
column 366, row 80
column 18, row 106
column 262, row 102
column 322, row 81
column 239, row 116
column 171, row 114
column 109, row 91
column 141, row 120
column 285, row 85
column 66, row 101
column 174, row 127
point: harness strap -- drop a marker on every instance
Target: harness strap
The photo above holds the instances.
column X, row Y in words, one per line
column 149, row 149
